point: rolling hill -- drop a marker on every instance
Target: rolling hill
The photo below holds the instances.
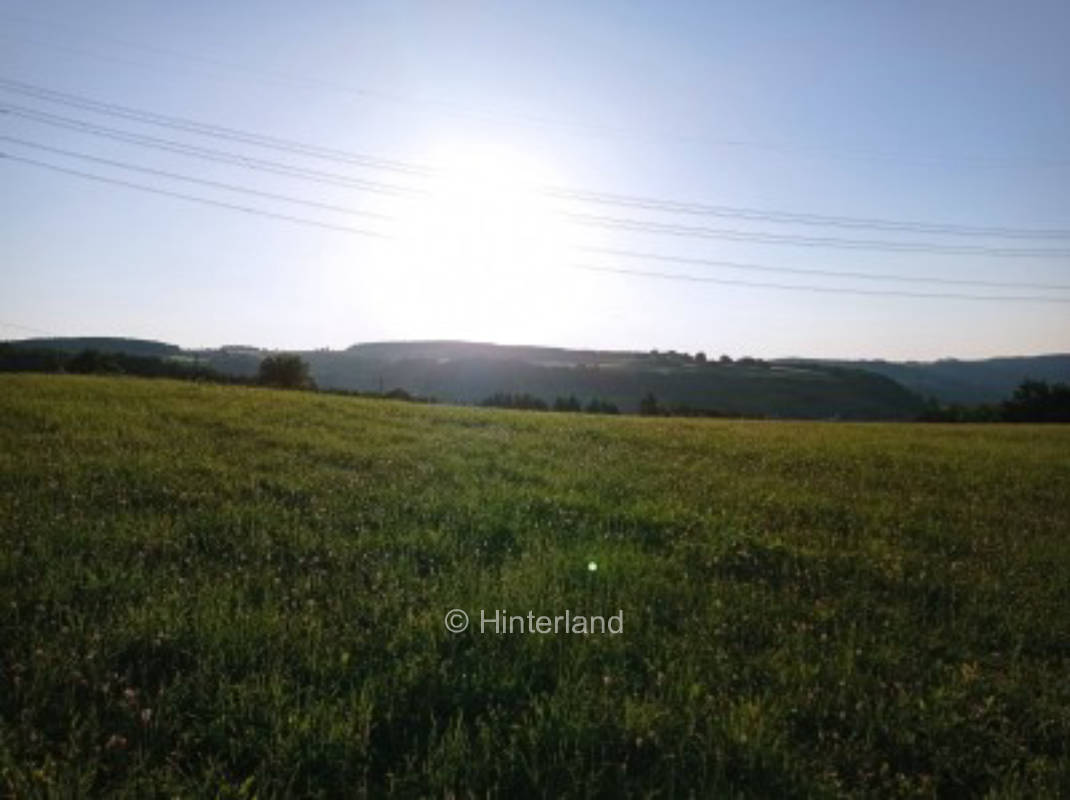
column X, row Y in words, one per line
column 468, row 372
column 949, row 380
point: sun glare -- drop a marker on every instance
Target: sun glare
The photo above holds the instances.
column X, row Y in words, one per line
column 486, row 247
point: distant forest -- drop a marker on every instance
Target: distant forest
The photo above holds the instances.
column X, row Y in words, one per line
column 95, row 362
column 1032, row 401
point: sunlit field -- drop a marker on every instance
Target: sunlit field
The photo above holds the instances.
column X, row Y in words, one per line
column 221, row 591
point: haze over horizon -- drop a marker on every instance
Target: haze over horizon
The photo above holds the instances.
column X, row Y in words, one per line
column 776, row 179
column 711, row 354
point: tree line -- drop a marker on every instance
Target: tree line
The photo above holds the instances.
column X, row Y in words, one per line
column 1032, row 401
column 532, row 403
column 649, row 406
column 95, row 362
column 280, row 371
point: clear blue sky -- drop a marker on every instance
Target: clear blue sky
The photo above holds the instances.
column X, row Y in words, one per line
column 954, row 113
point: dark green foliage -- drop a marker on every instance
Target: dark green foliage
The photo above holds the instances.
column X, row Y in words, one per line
column 599, row 406
column 530, row 403
column 570, row 403
column 964, row 383
column 1032, row 401
column 94, row 362
column 466, row 372
column 1038, row 401
column 681, row 410
column 285, row 371
column 393, row 394
column 523, row 401
column 648, row 406
column 211, row 591
column 101, row 344
column 23, row 359
column 935, row 412
column 767, row 390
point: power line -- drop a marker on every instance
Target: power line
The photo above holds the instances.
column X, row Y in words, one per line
column 668, row 229
column 230, row 187
column 804, row 218
column 617, row 270
column 196, row 199
column 560, row 192
column 590, row 129
column 871, row 276
column 821, row 289
column 207, row 129
column 208, row 154
column 614, row 252
column 638, row 226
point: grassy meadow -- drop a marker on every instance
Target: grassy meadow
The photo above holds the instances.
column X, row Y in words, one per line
column 235, row 592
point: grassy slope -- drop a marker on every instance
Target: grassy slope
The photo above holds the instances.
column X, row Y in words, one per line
column 203, row 586
column 800, row 391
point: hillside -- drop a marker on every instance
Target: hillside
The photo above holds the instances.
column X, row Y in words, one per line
column 949, row 380
column 225, row 591
column 105, row 344
column 757, row 389
column 469, row 372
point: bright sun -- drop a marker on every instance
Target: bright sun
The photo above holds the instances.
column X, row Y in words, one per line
column 485, row 249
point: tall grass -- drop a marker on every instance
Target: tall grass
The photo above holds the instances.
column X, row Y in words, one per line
column 234, row 592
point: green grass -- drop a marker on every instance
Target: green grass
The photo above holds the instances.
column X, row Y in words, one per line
column 236, row 592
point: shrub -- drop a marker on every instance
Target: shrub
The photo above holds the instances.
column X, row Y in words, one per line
column 569, row 403
column 524, row 401
column 90, row 362
column 648, row 406
column 597, row 406
column 1038, row 401
column 285, row 371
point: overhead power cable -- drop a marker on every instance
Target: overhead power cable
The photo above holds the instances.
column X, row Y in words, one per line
column 208, row 154
column 608, row 251
column 633, row 225
column 667, row 205
column 827, row 273
column 672, row 276
column 668, row 229
column 196, row 199
column 803, row 218
column 230, row 187
column 595, row 268
column 207, row 129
